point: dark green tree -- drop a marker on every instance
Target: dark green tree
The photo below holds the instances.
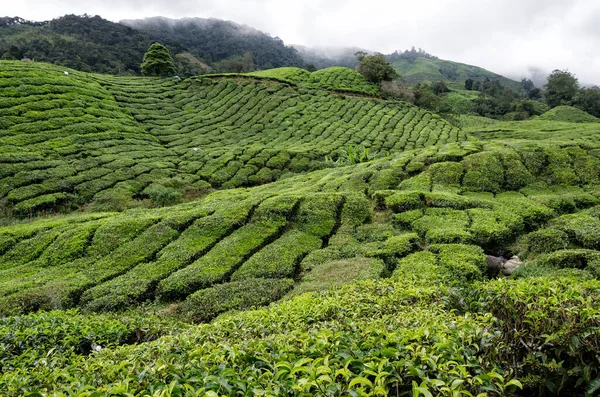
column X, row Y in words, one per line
column 588, row 99
column 561, row 88
column 469, row 84
column 527, row 85
column 157, row 61
column 375, row 67
column 425, row 98
column 310, row 67
column 439, row 88
column 534, row 94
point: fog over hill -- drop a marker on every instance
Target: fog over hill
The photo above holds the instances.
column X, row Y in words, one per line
column 508, row 37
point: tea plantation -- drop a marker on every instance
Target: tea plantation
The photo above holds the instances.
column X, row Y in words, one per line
column 286, row 233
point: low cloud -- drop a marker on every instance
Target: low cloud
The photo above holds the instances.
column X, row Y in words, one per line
column 506, row 36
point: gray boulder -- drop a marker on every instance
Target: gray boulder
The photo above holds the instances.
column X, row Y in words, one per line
column 494, row 265
column 511, row 265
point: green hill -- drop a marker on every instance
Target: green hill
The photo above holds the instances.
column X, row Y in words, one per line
column 74, row 139
column 569, row 114
column 189, row 201
column 421, row 69
column 336, row 78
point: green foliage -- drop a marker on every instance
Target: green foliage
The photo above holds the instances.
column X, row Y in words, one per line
column 375, row 68
column 568, row 114
column 157, row 61
column 215, row 40
column 279, row 259
column 421, row 266
column 132, row 142
column 561, row 88
column 162, row 195
column 206, row 304
column 358, row 154
column 465, row 262
column 588, row 100
column 417, row 68
column 541, row 319
column 546, row 240
column 569, row 258
column 336, row 273
column 253, row 205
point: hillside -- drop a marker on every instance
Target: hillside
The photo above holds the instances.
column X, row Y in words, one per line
column 215, row 40
column 80, row 42
column 74, row 139
column 94, row 44
column 421, row 69
column 218, row 236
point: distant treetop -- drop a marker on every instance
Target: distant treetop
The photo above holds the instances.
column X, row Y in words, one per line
column 410, row 54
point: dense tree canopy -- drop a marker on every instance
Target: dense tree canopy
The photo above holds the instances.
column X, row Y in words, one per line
column 94, row 44
column 87, row 43
column 214, row 40
column 588, row 99
column 375, row 67
column 561, row 88
column 158, row 61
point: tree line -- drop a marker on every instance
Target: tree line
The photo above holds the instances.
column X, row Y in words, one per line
column 93, row 44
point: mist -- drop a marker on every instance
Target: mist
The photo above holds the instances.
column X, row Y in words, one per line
column 516, row 38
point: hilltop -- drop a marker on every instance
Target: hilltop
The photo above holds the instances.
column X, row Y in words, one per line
column 421, row 69
column 214, row 40
column 289, row 233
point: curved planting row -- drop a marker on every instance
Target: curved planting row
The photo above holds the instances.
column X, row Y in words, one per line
column 111, row 262
column 455, row 194
column 69, row 138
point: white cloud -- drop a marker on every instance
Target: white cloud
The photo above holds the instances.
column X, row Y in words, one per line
column 505, row 36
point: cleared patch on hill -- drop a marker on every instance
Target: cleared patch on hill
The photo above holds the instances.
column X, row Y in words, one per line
column 569, row 114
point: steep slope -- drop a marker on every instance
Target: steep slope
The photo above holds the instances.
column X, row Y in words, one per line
column 84, row 43
column 215, row 40
column 71, row 139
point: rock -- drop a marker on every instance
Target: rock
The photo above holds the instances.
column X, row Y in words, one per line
column 494, row 265
column 511, row 265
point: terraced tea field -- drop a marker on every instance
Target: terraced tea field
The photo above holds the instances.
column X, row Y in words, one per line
column 380, row 265
column 71, row 139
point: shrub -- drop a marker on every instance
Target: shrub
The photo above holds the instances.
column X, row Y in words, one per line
column 465, row 262
column 546, row 240
column 206, row 304
column 551, row 327
column 163, row 196
column 569, row 258
column 280, row 258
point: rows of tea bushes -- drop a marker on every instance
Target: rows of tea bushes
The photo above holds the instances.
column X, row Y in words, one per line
column 409, row 230
column 334, row 78
column 240, row 132
column 69, row 138
column 486, row 196
column 417, row 333
column 64, row 141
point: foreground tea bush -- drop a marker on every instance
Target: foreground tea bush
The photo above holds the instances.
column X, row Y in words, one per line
column 53, row 339
column 551, row 329
column 372, row 338
column 377, row 337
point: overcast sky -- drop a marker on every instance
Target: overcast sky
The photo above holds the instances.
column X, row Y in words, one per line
column 510, row 37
